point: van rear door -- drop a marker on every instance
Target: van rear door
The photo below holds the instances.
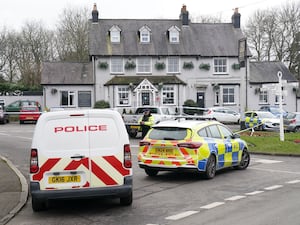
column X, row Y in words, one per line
column 62, row 144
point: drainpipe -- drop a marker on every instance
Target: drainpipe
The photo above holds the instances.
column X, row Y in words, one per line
column 94, row 77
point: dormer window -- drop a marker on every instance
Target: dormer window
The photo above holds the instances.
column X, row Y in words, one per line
column 174, row 34
column 145, row 34
column 115, row 34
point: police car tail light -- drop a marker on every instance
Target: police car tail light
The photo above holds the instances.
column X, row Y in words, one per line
column 192, row 145
column 293, row 121
column 144, row 143
column 127, row 156
column 34, row 165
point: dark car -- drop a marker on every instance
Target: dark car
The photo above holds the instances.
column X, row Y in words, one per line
column 3, row 116
column 292, row 122
column 17, row 105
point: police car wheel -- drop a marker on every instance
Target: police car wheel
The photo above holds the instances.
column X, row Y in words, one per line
column 126, row 200
column 244, row 161
column 210, row 171
column 151, row 173
column 38, row 205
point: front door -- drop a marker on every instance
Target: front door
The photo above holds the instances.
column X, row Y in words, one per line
column 145, row 98
column 200, row 99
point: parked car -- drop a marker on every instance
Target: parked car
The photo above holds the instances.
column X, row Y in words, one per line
column 275, row 110
column 292, row 122
column 29, row 114
column 3, row 116
column 222, row 114
column 17, row 105
column 261, row 120
column 202, row 146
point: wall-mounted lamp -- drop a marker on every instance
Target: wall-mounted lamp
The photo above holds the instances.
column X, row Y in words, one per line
column 131, row 86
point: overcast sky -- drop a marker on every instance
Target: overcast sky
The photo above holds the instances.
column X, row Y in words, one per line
column 14, row 13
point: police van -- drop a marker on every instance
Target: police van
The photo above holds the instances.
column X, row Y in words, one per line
column 80, row 154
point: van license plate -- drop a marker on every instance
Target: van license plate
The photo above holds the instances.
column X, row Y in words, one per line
column 64, row 179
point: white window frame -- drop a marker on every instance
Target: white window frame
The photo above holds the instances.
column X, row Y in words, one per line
column 168, row 94
column 116, row 65
column 220, row 66
column 173, row 64
column 229, row 94
column 145, row 34
column 115, row 34
column 277, row 98
column 123, row 96
column 174, row 34
column 70, row 98
column 144, row 65
column 263, row 97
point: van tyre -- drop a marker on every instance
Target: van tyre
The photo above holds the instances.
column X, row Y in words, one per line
column 244, row 161
column 210, row 171
column 151, row 172
column 38, row 205
column 126, row 200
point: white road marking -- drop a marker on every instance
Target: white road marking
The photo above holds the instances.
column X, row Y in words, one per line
column 212, row 205
column 181, row 215
column 234, row 198
column 293, row 182
column 254, row 193
column 267, row 161
column 277, row 171
column 273, row 187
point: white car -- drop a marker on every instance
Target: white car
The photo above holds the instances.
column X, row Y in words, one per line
column 222, row 114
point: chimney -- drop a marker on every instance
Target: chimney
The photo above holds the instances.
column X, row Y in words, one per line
column 95, row 14
column 184, row 16
column 236, row 18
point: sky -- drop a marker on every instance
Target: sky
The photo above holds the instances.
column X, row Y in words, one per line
column 15, row 13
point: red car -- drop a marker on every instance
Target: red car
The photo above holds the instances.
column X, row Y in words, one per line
column 29, row 113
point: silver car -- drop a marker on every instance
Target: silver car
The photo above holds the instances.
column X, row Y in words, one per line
column 292, row 122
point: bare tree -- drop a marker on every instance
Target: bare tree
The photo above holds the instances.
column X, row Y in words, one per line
column 271, row 33
column 72, row 35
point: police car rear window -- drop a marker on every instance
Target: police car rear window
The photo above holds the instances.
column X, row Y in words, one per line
column 169, row 133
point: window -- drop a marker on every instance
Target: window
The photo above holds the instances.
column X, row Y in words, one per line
column 220, row 66
column 173, row 34
column 277, row 99
column 173, row 64
column 123, row 95
column 84, row 99
column 217, row 97
column 115, row 33
column 228, row 95
column 168, row 95
column 145, row 32
column 144, row 65
column 263, row 97
column 116, row 65
column 67, row 98
column 215, row 133
column 226, row 133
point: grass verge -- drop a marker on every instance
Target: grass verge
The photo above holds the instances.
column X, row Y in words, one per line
column 269, row 142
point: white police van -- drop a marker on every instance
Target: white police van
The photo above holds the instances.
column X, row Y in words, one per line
column 80, row 154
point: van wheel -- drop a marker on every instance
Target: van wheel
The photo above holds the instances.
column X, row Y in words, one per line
column 244, row 161
column 151, row 173
column 38, row 205
column 126, row 200
column 210, row 171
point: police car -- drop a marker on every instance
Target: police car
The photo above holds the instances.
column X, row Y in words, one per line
column 261, row 120
column 203, row 146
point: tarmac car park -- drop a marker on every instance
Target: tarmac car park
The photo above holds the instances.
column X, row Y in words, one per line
column 202, row 146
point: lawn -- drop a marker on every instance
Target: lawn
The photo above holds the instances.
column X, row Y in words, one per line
column 269, row 142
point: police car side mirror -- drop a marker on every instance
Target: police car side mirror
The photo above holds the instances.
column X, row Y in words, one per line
column 235, row 136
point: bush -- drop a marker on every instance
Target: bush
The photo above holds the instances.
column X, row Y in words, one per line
column 101, row 105
column 191, row 103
